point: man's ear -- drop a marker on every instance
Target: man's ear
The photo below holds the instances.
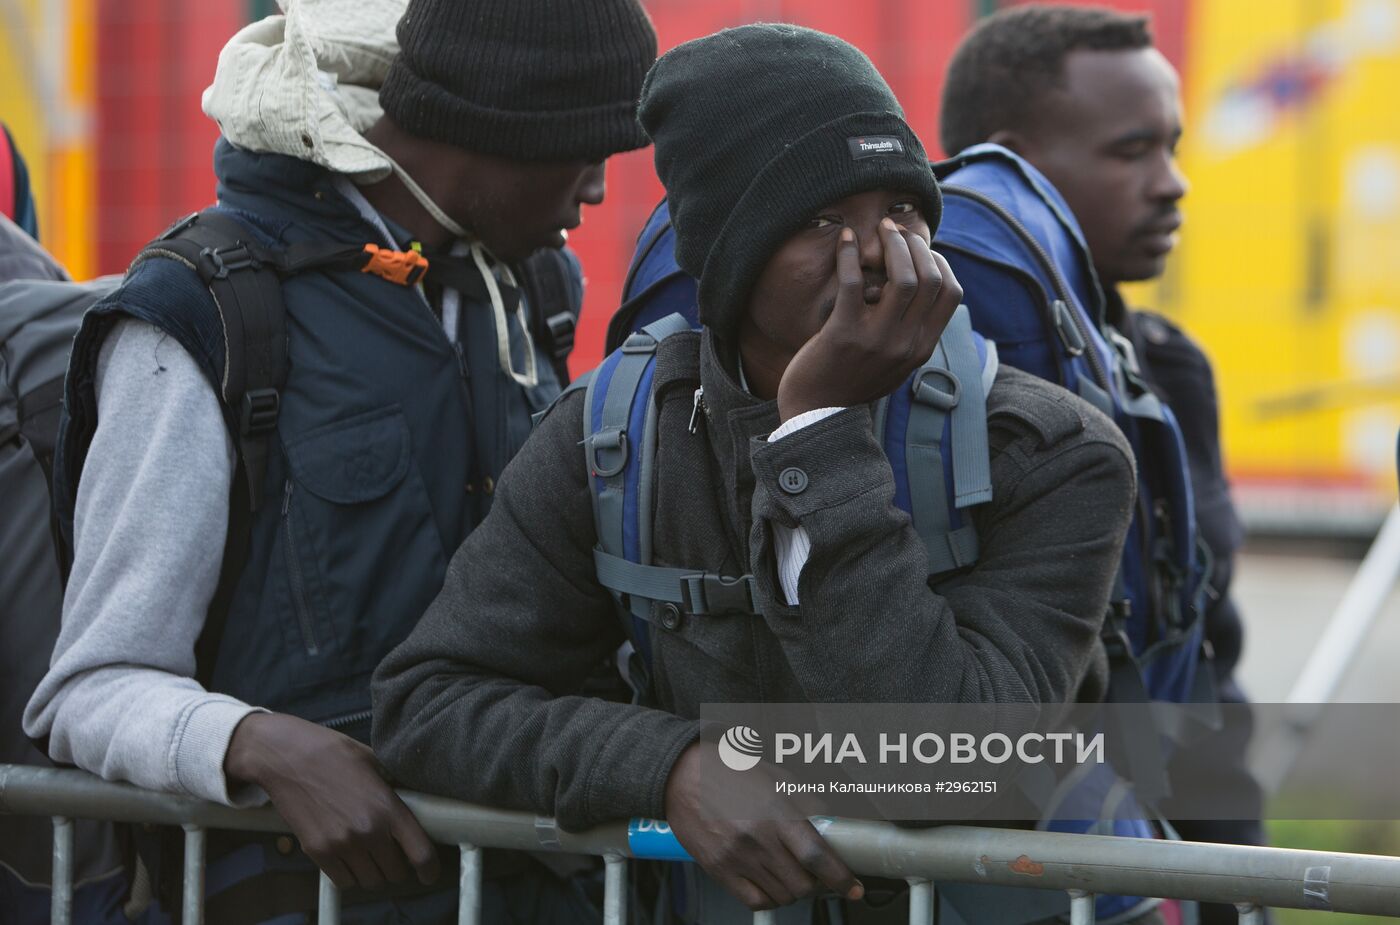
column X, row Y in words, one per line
column 1014, row 141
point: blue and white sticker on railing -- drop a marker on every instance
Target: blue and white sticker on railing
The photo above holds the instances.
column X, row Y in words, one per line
column 653, row 839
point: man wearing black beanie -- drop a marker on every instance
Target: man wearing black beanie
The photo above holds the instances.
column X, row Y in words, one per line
column 397, row 397
column 804, row 204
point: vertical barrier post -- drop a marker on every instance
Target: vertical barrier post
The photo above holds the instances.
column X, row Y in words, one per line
column 193, row 902
column 766, row 917
column 1250, row 914
column 1081, row 908
column 469, row 901
column 615, row 890
column 328, row 904
column 921, row 901
column 61, row 905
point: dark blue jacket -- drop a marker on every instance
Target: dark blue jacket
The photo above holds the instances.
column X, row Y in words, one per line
column 388, row 443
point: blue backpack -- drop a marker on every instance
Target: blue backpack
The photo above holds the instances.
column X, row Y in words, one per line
column 1033, row 302
column 936, row 423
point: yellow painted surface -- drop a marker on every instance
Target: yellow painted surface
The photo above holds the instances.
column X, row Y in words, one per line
column 47, row 101
column 1289, row 269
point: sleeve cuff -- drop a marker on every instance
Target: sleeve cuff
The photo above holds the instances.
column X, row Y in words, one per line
column 791, row 425
column 200, row 746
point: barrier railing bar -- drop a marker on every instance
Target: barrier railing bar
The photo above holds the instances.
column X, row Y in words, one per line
column 1250, row 914
column 1100, row 864
column 469, row 898
column 614, row 889
column 921, row 901
column 328, row 902
column 193, row 895
column 1081, row 908
column 61, row 905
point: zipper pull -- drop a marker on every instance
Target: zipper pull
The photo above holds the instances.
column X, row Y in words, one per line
column 286, row 497
column 697, row 408
column 461, row 360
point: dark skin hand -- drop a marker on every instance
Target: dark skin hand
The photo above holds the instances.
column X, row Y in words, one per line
column 865, row 351
column 332, row 792
column 765, row 863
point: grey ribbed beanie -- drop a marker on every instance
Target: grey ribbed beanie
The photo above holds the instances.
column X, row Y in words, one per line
column 537, row 80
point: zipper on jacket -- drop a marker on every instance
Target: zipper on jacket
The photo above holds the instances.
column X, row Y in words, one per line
column 350, row 719
column 1061, row 288
column 296, row 576
column 697, row 409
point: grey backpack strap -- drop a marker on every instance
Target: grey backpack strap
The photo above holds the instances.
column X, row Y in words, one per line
column 939, row 392
column 606, row 450
column 699, row 593
column 972, row 468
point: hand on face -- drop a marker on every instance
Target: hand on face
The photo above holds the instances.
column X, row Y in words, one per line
column 865, row 351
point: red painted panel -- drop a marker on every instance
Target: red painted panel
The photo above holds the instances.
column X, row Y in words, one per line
column 153, row 143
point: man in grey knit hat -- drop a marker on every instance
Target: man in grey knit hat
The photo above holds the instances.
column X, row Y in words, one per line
column 804, row 205
column 238, row 672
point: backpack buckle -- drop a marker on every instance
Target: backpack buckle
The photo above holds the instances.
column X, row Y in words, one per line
column 640, row 342
column 609, row 440
column 707, row 593
column 404, row 268
column 259, row 412
column 1067, row 329
column 930, row 394
column 227, row 259
column 1116, row 644
column 561, row 333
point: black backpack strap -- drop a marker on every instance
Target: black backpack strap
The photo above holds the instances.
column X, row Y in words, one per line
column 242, row 277
column 547, row 276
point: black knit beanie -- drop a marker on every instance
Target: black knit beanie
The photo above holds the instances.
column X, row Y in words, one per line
column 756, row 129
column 535, row 80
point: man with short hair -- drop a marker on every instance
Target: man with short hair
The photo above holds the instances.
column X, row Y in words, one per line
column 401, row 405
column 1082, row 94
column 819, row 295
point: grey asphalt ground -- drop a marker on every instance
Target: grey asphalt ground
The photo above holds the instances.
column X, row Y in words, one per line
column 1286, row 592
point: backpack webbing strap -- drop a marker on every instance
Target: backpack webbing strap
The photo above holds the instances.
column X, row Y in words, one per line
column 606, row 451
column 545, row 276
column 700, row 593
column 972, row 468
column 248, row 295
column 938, row 393
column 1142, row 742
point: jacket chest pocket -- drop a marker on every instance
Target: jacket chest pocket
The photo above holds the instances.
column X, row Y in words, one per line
column 361, row 552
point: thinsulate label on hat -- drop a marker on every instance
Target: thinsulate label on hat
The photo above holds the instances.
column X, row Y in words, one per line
column 864, row 146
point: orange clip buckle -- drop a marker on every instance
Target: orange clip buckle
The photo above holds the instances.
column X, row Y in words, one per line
column 402, row 267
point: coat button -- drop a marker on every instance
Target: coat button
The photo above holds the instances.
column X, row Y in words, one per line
column 670, row 616
column 284, row 844
column 792, row 480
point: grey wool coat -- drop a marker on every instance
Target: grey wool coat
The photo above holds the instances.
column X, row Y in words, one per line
column 482, row 702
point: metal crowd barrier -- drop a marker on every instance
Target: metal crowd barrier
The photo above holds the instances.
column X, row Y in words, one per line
column 1082, row 865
